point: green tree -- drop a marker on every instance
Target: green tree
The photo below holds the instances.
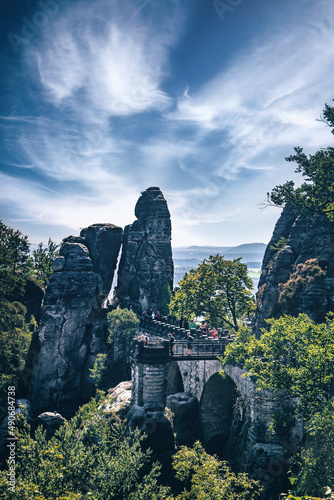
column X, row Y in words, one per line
column 15, row 336
column 93, row 456
column 218, row 289
column 315, row 464
column 164, row 300
column 14, row 331
column 204, row 477
column 14, row 253
column 316, row 193
column 114, row 366
column 41, row 262
column 295, row 355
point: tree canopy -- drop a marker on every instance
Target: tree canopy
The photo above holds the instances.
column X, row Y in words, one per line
column 93, row 456
column 40, row 262
column 17, row 266
column 206, row 477
column 114, row 366
column 218, row 289
column 296, row 355
column 14, row 253
column 316, row 193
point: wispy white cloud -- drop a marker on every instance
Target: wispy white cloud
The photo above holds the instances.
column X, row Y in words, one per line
column 103, row 66
column 265, row 100
column 46, row 205
column 114, row 67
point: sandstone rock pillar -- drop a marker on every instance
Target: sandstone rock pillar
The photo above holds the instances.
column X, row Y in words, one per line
column 146, row 264
column 73, row 327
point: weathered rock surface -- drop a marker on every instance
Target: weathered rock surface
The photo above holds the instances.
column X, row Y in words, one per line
column 297, row 277
column 156, row 424
column 50, row 421
column 119, row 398
column 185, row 409
column 103, row 242
column 146, row 265
column 73, row 326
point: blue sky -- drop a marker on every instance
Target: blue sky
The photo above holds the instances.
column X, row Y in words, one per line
column 203, row 98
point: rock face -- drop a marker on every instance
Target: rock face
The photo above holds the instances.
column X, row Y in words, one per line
column 73, row 327
column 298, row 269
column 50, row 422
column 186, row 423
column 146, row 264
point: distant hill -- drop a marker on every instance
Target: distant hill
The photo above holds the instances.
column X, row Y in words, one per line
column 186, row 258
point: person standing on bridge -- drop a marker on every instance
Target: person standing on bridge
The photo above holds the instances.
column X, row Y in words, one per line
column 189, row 343
column 171, row 343
column 193, row 328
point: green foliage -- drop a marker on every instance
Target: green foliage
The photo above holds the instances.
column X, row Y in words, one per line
column 123, row 325
column 15, row 338
column 218, row 289
column 295, row 355
column 316, row 461
column 90, row 457
column 204, row 477
column 164, row 300
column 99, row 372
column 14, row 252
column 41, row 262
column 14, row 248
column 282, row 422
column 279, row 244
column 316, row 194
column 113, row 367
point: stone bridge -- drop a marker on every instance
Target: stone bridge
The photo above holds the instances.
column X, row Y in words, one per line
column 229, row 414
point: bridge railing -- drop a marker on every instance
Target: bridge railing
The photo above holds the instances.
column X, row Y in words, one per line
column 200, row 349
column 163, row 328
column 159, row 349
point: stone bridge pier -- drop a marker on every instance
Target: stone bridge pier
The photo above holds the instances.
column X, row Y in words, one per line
column 150, row 374
column 150, row 368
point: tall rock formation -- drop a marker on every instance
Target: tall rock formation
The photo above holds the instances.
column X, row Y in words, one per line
column 146, row 264
column 73, row 328
column 297, row 273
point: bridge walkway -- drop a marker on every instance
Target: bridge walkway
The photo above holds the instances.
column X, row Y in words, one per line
column 200, row 349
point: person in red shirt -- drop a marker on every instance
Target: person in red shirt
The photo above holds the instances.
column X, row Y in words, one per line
column 214, row 334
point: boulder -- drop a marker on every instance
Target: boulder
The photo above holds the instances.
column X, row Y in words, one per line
column 119, row 398
column 185, row 410
column 156, row 425
column 50, row 421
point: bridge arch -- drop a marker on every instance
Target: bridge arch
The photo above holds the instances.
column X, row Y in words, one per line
column 216, row 413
